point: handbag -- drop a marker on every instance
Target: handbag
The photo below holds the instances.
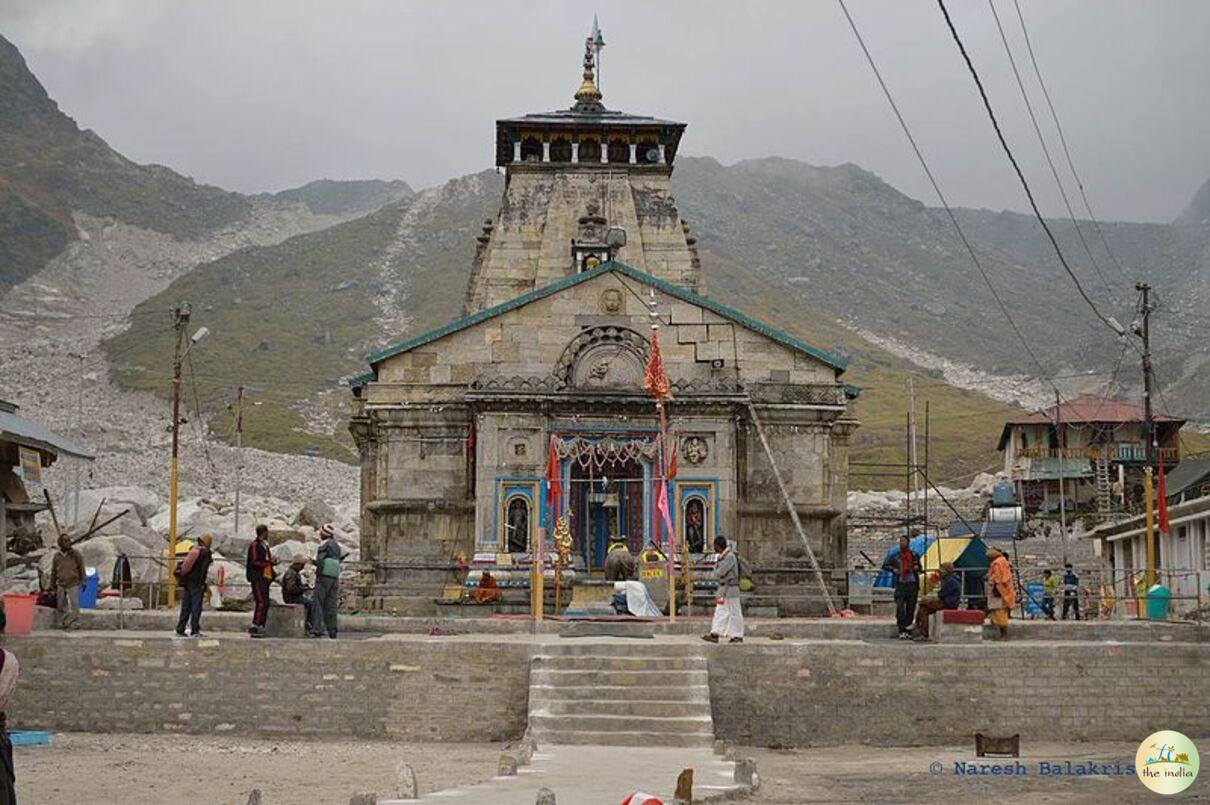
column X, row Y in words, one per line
column 330, row 567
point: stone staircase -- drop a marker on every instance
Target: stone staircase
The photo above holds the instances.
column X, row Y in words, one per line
column 620, row 693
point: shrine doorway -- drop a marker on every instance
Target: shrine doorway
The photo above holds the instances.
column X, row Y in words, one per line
column 607, row 501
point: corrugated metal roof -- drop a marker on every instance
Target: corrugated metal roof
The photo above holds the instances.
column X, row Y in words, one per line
column 1090, row 408
column 835, row 361
column 1189, row 472
column 16, row 428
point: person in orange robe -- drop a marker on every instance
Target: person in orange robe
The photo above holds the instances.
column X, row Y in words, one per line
column 1001, row 592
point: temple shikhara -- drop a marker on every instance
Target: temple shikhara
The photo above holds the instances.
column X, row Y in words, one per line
column 476, row 436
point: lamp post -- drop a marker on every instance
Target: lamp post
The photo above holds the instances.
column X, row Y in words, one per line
column 180, row 321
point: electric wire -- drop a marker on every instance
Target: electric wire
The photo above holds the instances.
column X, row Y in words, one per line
column 1063, row 141
column 941, row 196
column 1046, row 153
column 1020, row 175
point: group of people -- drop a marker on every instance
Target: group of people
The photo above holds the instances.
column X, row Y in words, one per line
column 912, row 615
column 320, row 601
column 1069, row 588
column 631, row 596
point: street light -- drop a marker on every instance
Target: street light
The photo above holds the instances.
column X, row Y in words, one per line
column 180, row 322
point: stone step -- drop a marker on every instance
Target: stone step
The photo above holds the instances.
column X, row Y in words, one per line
column 589, row 662
column 647, row 693
column 614, row 707
column 632, row 739
column 554, row 677
column 654, row 725
column 632, row 648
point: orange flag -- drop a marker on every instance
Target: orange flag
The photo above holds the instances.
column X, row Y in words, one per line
column 654, row 379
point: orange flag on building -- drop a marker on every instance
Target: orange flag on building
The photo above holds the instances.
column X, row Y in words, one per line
column 654, row 379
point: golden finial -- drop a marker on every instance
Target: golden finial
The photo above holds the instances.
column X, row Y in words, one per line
column 588, row 96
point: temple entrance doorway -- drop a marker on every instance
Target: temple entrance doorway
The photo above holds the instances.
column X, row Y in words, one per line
column 605, row 501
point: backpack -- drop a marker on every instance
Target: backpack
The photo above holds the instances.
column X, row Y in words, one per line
column 249, row 568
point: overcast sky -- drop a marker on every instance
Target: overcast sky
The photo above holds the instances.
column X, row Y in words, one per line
column 265, row 94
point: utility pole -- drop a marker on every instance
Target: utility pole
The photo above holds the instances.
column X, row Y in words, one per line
column 239, row 447
column 1062, row 472
column 1148, row 427
column 180, row 320
column 913, row 489
column 75, row 496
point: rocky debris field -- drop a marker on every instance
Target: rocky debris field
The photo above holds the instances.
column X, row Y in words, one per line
column 141, row 534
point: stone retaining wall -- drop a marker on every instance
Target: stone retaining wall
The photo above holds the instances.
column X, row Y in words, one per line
column 902, row 694
column 461, row 689
column 410, row 690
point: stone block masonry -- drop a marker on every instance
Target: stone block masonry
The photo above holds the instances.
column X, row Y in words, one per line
column 476, row 688
column 829, row 693
column 411, row 690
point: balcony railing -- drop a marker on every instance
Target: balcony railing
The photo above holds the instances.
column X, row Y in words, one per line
column 1114, row 452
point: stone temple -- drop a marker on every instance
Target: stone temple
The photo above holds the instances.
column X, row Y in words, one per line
column 457, row 428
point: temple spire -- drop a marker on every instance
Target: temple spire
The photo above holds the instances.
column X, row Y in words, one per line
column 588, row 96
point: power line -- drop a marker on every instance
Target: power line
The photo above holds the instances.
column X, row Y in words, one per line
column 937, row 189
column 1025, row 184
column 1046, row 151
column 1063, row 141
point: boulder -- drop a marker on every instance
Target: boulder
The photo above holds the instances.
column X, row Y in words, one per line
column 315, row 513
column 185, row 509
column 279, row 530
column 143, row 503
column 308, row 534
column 284, row 553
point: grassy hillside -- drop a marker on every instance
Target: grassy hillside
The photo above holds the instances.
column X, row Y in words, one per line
column 292, row 320
column 48, row 166
column 965, row 425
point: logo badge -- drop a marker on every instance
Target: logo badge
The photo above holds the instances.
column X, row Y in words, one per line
column 1167, row 762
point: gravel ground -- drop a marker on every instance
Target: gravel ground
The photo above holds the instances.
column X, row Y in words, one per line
column 162, row 769
column 894, row 774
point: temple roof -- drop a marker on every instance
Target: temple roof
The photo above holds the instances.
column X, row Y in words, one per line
column 671, row 289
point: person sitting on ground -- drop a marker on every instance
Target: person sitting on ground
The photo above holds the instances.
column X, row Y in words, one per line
column 192, row 573
column 294, row 590
column 487, row 590
column 1050, row 588
column 1001, row 591
column 949, row 596
column 619, row 562
column 66, row 576
column 728, row 613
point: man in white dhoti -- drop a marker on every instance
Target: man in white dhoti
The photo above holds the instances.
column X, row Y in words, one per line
column 728, row 614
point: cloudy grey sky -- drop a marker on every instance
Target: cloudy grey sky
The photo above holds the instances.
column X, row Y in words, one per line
column 264, row 94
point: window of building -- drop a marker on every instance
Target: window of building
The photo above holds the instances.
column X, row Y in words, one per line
column 531, row 149
column 619, row 150
column 560, row 150
column 590, row 150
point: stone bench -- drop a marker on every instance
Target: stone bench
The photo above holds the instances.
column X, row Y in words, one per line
column 286, row 620
column 956, row 626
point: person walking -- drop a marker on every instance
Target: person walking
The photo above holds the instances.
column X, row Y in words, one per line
column 904, row 567
column 949, row 596
column 327, row 581
column 259, row 572
column 728, row 613
column 66, row 576
column 1071, row 591
column 192, row 574
column 1050, row 588
column 1001, row 591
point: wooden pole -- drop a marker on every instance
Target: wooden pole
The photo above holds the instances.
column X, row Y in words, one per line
column 785, row 493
